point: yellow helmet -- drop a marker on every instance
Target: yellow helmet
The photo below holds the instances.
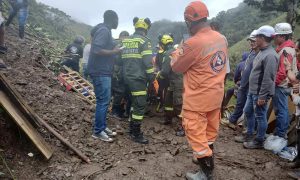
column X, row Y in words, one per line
column 141, row 23
column 166, row 39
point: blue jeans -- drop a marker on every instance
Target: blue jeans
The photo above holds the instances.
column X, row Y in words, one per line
column 280, row 105
column 256, row 114
column 23, row 14
column 240, row 104
column 102, row 88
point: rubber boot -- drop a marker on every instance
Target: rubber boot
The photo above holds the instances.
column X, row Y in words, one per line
column 207, row 165
column 195, row 160
column 137, row 135
column 130, row 132
column 197, row 176
column 206, row 168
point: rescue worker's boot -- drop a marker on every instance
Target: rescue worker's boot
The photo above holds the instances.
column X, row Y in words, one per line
column 207, row 165
column 206, row 169
column 130, row 132
column 197, row 176
column 195, row 160
column 137, row 135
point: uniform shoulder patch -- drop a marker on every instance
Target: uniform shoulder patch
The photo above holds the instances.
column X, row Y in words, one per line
column 218, row 61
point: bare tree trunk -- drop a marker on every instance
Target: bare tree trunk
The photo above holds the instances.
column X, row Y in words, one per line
column 292, row 12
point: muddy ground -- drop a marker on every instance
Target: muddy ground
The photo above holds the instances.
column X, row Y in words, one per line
column 166, row 157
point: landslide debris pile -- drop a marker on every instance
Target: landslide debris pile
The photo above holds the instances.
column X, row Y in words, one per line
column 72, row 117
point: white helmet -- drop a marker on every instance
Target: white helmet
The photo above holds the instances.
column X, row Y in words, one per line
column 266, row 30
column 283, row 28
column 252, row 35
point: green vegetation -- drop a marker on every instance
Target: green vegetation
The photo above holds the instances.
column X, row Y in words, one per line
column 54, row 24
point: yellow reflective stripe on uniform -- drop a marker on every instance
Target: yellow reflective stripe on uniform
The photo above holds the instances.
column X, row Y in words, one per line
column 146, row 52
column 136, row 56
column 139, row 93
column 150, row 70
column 140, row 40
column 169, row 108
column 137, row 117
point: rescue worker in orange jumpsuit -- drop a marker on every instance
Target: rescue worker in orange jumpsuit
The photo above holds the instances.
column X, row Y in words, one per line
column 202, row 60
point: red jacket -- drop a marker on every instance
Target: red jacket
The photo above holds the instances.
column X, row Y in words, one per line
column 281, row 73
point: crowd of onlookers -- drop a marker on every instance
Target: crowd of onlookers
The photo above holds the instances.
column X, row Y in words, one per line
column 265, row 75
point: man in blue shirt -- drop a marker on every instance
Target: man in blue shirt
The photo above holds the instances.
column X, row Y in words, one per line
column 100, row 68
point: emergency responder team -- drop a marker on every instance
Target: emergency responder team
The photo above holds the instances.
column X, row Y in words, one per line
column 189, row 75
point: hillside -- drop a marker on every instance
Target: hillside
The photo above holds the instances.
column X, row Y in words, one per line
column 55, row 24
column 52, row 25
column 238, row 22
column 237, row 49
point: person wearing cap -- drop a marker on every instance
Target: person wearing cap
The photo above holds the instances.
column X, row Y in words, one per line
column 261, row 88
column 244, row 84
column 100, row 68
column 202, row 59
column 138, row 71
column 283, row 35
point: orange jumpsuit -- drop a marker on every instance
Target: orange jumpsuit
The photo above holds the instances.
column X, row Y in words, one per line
column 202, row 59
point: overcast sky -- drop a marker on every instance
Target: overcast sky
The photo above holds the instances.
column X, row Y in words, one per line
column 91, row 11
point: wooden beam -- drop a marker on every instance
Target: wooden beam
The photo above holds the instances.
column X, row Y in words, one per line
column 25, row 125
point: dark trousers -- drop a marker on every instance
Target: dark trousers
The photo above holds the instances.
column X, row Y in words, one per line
column 239, row 106
column 23, row 14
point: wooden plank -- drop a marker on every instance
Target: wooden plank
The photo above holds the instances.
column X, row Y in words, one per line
column 24, row 124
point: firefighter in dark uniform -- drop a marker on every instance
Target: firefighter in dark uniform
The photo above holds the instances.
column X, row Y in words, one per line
column 163, row 83
column 138, row 71
column 173, row 97
column 118, row 86
column 74, row 52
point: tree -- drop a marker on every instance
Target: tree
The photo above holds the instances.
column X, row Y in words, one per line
column 289, row 6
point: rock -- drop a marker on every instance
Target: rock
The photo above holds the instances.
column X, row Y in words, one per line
column 174, row 142
column 68, row 174
column 270, row 165
column 107, row 167
column 142, row 159
column 168, row 157
column 179, row 174
column 175, row 151
column 149, row 151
